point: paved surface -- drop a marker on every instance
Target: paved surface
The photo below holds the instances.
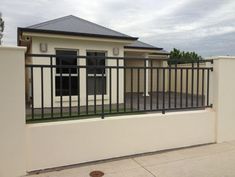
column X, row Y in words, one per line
column 215, row 160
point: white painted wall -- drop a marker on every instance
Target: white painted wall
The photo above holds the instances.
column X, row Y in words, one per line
column 224, row 97
column 71, row 142
column 12, row 109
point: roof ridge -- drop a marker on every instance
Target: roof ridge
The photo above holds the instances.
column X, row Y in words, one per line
column 98, row 25
column 48, row 22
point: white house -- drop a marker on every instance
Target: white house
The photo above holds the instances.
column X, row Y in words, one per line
column 71, row 35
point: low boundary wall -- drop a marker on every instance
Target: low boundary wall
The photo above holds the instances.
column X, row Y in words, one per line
column 28, row 147
column 71, row 142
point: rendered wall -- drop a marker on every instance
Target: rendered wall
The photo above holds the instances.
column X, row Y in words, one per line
column 12, row 109
column 71, row 142
column 224, row 96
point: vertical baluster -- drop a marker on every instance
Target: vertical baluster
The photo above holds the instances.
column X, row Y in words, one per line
column 117, row 85
column 32, row 93
column 42, row 94
column 181, row 86
column 203, row 83
column 87, row 68
column 145, row 84
column 124, row 70
column 95, row 70
column 169, row 87
column 151, row 86
column 163, row 89
column 51, row 68
column 131, row 89
column 61, row 89
column 197, row 83
column 175, row 94
column 102, row 114
column 208, row 87
column 110, row 90
column 192, row 85
column 186, row 87
column 70, row 100
column 157, row 97
column 138, row 89
column 78, row 90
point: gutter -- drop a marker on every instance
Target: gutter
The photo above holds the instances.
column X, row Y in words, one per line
column 20, row 30
column 144, row 48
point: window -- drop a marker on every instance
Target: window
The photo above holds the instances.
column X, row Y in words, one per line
column 96, row 59
column 62, row 84
column 66, row 59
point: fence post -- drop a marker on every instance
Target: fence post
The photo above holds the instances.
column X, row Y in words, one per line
column 12, row 109
column 224, row 97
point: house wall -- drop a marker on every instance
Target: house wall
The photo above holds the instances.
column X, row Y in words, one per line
column 81, row 46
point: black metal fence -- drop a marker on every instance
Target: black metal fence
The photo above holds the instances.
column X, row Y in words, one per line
column 64, row 87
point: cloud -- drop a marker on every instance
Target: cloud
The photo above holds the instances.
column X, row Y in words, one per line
column 204, row 26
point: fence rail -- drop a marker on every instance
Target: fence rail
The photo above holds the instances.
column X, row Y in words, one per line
column 61, row 87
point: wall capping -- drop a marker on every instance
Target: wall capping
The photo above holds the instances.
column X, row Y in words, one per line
column 221, row 57
column 13, row 48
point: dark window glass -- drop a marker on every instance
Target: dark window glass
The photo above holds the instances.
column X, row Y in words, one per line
column 95, row 59
column 65, row 85
column 91, row 85
column 69, row 58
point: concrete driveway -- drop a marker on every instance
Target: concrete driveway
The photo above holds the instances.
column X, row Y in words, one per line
column 214, row 160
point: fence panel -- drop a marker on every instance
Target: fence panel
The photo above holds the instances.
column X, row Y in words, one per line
column 62, row 89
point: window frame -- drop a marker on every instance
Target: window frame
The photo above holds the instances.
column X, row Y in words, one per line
column 64, row 74
column 99, row 75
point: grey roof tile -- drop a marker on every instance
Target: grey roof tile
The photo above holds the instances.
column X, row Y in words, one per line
column 142, row 45
column 75, row 24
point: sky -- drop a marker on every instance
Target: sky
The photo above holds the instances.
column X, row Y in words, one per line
column 204, row 26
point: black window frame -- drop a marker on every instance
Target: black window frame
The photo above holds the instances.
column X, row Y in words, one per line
column 63, row 73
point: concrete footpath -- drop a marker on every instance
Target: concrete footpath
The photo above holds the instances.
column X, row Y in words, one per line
column 214, row 160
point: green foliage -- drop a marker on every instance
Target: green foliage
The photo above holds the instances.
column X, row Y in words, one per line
column 180, row 57
column 1, row 27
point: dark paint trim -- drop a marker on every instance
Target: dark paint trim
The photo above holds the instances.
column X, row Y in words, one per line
column 75, row 34
column 144, row 48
